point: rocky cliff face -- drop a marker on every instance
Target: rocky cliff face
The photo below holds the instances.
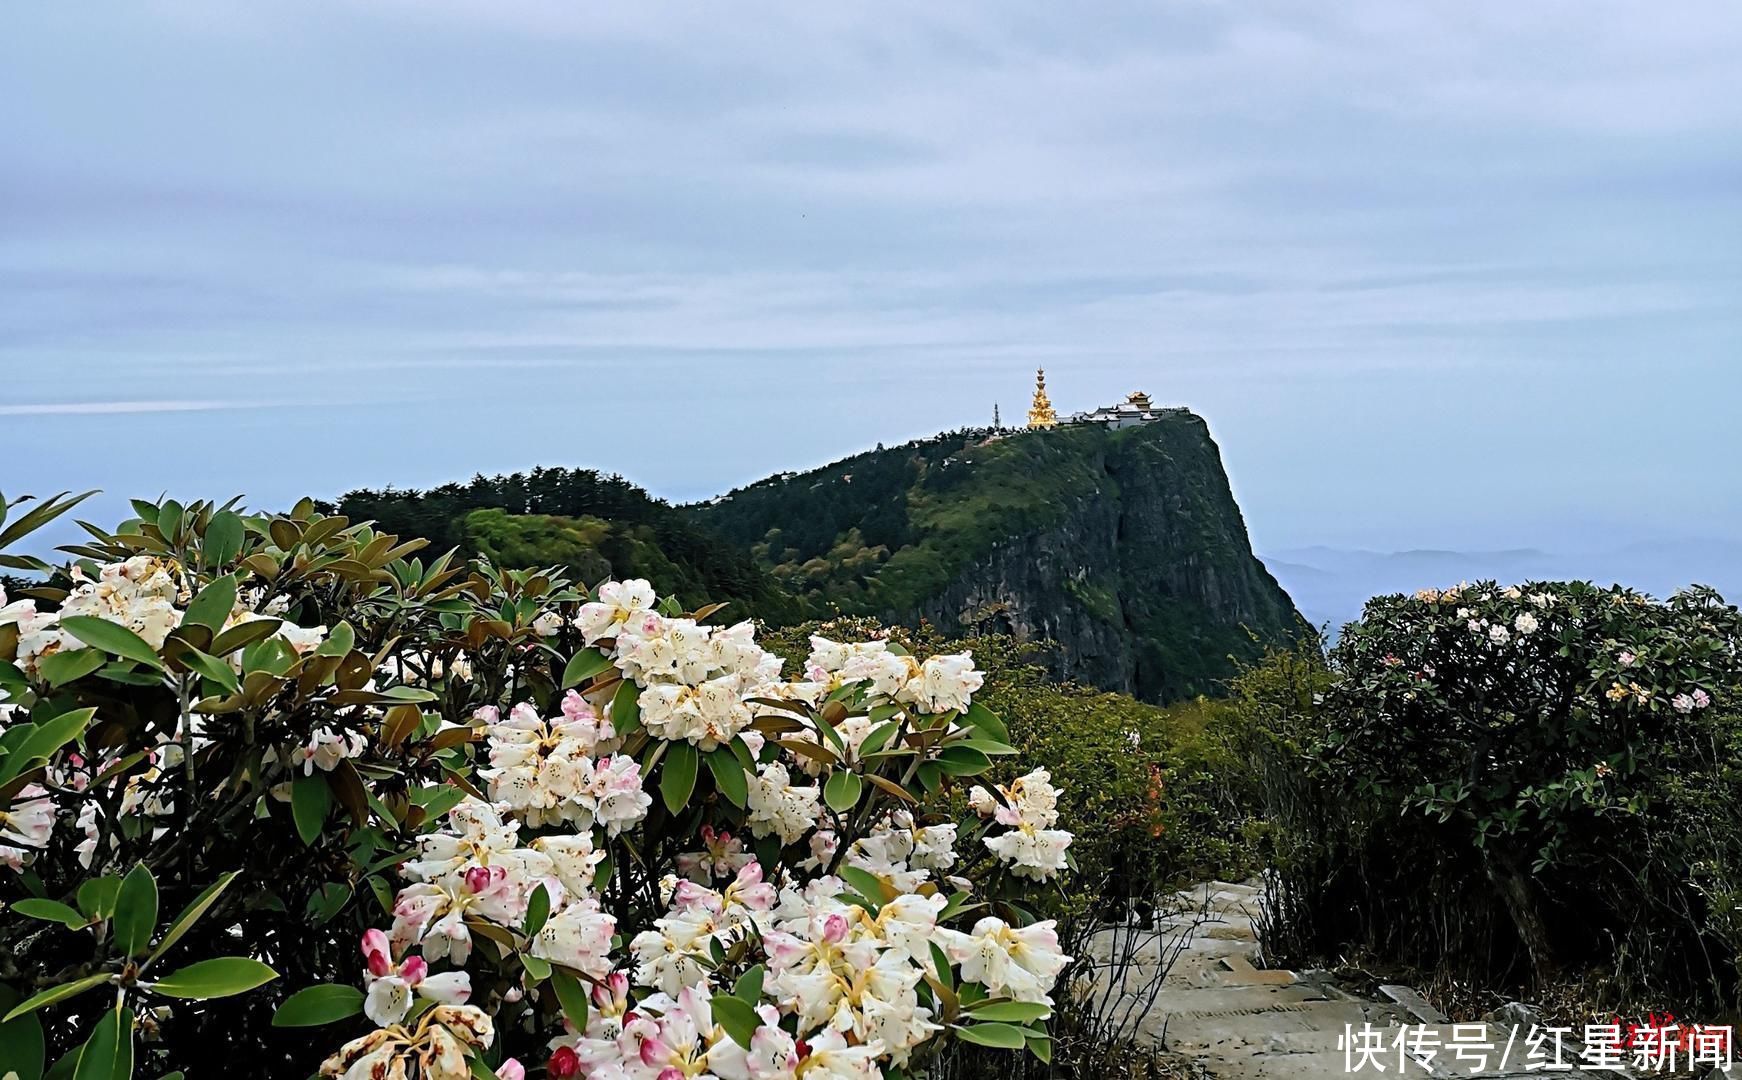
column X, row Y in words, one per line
column 1146, row 583
column 1123, row 548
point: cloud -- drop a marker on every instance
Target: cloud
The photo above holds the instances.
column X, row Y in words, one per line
column 808, row 228
column 114, row 408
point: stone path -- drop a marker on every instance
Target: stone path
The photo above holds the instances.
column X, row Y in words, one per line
column 1239, row 1022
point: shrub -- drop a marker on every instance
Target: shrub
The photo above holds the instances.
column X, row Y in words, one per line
column 1526, row 782
column 263, row 773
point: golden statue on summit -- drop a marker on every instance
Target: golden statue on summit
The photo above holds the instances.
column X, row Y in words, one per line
column 1040, row 414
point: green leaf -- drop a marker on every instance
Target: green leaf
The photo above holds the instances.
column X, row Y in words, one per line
column 191, row 914
column 44, row 739
column 97, row 896
column 408, row 694
column 310, row 799
column 112, row 638
column 313, row 1006
column 45, row 512
column 585, row 664
column 729, row 775
column 211, row 667
column 1040, row 1048
column 56, row 993
column 70, row 665
column 136, row 911
column 941, row 963
column 51, row 911
column 572, row 997
column 880, row 735
column 985, row 720
column 219, row 977
column 1020, row 1012
column 748, row 988
column 22, row 1047
column 535, row 967
column 626, row 709
column 214, row 605
column 341, row 639
column 223, row 539
column 960, row 760
column 989, row 747
column 954, row 906
column 169, row 519
column 63, row 1068
column 328, row 901
column 537, row 911
column 481, row 1069
column 842, row 790
column 1001, row 1036
column 864, row 882
column 737, row 1017
column 244, row 634
column 677, row 777
column 108, row 1053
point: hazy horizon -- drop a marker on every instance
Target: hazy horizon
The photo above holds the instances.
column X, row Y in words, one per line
column 1439, row 276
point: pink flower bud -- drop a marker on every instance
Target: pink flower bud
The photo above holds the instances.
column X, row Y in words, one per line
column 576, row 707
column 834, row 929
column 376, row 953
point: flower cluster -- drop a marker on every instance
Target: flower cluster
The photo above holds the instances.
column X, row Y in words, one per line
column 789, row 908
column 139, row 594
column 940, row 684
column 25, row 825
column 845, row 987
column 1032, row 848
column 562, row 769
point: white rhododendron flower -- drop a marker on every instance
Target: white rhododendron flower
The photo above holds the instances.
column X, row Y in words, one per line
column 778, row 807
column 139, row 594
column 1029, row 807
column 438, row 1045
column 1023, row 963
column 579, row 937
column 722, row 856
column 1031, row 853
column 25, row 825
column 545, row 771
column 325, row 749
column 391, row 985
column 943, row 684
column 619, row 601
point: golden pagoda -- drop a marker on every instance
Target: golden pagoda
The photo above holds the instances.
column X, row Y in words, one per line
column 1040, row 414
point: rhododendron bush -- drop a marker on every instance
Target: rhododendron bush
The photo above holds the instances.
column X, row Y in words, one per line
column 1512, row 784
column 278, row 793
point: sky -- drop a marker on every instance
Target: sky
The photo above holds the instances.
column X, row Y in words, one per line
column 1438, row 274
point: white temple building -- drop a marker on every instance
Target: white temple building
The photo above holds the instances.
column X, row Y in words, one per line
column 1136, row 409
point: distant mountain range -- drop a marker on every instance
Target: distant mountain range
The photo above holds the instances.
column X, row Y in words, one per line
column 1330, row 584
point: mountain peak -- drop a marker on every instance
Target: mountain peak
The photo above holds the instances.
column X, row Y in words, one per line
column 1121, row 545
